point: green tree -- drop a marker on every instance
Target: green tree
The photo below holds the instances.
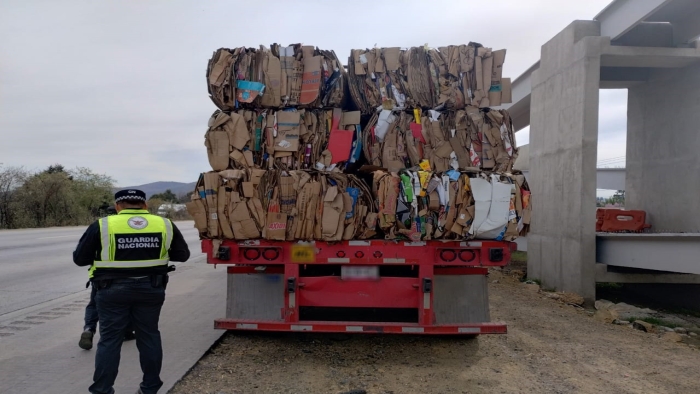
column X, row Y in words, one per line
column 10, row 179
column 167, row 195
column 184, row 198
column 58, row 197
column 94, row 191
column 47, row 199
column 617, row 198
column 154, row 203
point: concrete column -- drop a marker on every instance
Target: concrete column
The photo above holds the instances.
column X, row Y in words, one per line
column 563, row 151
column 663, row 149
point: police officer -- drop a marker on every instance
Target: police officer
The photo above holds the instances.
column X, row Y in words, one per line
column 91, row 311
column 130, row 252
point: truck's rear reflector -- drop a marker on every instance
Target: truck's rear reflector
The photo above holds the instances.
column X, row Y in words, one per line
column 376, row 328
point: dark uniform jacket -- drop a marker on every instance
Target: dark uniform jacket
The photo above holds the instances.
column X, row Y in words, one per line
column 90, row 248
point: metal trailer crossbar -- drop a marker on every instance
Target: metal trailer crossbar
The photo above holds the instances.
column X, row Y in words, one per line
column 375, row 286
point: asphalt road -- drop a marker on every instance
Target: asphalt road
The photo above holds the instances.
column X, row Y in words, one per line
column 42, row 305
column 36, row 265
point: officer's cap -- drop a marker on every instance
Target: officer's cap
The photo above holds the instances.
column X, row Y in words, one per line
column 130, row 195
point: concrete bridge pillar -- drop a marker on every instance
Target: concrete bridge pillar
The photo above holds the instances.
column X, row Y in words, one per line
column 663, row 149
column 663, row 164
column 563, row 151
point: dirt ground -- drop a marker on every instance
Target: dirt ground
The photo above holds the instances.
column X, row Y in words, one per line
column 550, row 348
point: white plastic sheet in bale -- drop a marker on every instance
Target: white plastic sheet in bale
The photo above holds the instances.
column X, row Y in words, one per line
column 492, row 204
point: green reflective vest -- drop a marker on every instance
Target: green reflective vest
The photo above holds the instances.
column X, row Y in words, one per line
column 134, row 239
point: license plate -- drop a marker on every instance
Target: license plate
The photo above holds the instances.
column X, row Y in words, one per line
column 303, row 253
column 359, row 273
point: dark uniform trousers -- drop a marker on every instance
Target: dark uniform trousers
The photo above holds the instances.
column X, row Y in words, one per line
column 91, row 317
column 125, row 300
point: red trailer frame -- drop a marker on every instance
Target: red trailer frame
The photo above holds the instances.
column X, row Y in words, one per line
column 373, row 286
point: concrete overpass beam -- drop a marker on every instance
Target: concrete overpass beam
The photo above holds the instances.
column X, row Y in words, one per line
column 687, row 29
column 648, row 34
column 622, row 16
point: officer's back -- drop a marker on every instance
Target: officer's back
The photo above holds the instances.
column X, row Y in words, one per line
column 130, row 252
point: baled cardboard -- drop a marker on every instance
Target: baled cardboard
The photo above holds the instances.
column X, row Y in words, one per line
column 239, row 213
column 217, row 144
column 246, row 229
column 248, row 189
column 198, row 212
column 350, row 118
column 211, row 181
column 222, row 90
column 311, row 79
column 486, row 67
column 272, row 72
column 359, row 66
column 255, row 176
column 333, row 212
column 287, row 139
column 238, row 158
column 499, row 57
column 248, row 155
column 276, row 226
column 222, row 201
column 238, row 132
column 256, row 212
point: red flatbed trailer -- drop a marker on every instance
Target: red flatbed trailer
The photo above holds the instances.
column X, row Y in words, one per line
column 373, row 286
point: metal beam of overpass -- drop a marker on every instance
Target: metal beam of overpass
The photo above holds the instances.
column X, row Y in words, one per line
column 617, row 21
column 622, row 16
column 606, row 178
column 669, row 252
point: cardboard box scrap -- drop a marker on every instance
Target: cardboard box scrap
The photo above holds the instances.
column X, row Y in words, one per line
column 440, row 159
column 321, row 139
column 296, row 76
column 282, row 205
column 423, row 205
column 467, row 139
column 449, row 77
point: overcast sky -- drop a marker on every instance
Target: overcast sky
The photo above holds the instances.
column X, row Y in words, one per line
column 119, row 86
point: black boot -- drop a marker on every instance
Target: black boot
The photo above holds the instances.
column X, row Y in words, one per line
column 86, row 339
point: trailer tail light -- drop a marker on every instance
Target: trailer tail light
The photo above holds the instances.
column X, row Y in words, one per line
column 467, row 255
column 271, row 254
column 251, row 254
column 448, row 255
column 359, row 254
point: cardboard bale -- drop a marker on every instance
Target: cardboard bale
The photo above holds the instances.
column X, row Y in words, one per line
column 376, row 77
column 291, row 139
column 220, row 82
column 450, row 77
column 422, row 205
column 468, row 139
column 275, row 77
column 283, row 205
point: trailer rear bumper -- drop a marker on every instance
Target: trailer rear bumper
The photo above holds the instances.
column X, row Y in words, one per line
column 437, row 288
column 362, row 327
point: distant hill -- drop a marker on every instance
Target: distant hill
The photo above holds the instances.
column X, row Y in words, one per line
column 150, row 189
